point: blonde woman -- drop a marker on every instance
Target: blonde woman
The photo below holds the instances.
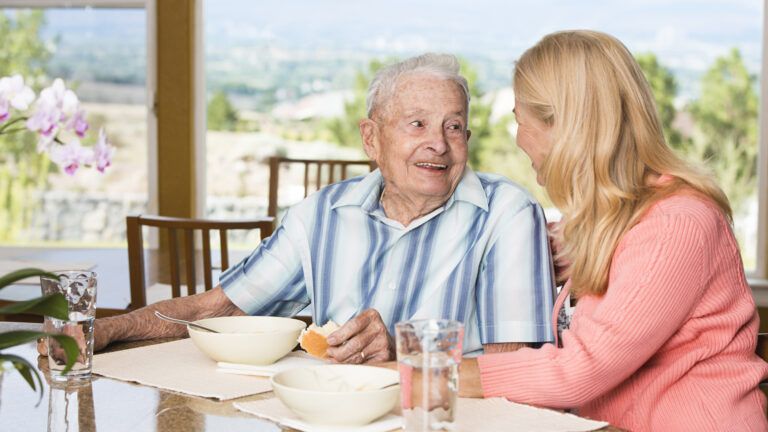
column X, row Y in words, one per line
column 664, row 332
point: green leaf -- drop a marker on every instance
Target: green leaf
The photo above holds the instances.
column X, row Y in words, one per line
column 53, row 305
column 18, row 337
column 70, row 348
column 23, row 274
column 27, row 371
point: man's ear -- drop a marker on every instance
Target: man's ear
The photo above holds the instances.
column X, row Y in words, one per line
column 469, row 134
column 370, row 135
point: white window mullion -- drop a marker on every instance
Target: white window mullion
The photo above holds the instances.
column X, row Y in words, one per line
column 761, row 269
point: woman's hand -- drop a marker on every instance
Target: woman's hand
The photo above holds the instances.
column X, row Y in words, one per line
column 561, row 265
column 469, row 379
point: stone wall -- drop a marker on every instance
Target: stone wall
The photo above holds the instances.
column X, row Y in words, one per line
column 99, row 218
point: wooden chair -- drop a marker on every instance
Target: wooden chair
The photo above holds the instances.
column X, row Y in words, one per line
column 334, row 169
column 187, row 227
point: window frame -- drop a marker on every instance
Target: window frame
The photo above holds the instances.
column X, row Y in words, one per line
column 758, row 279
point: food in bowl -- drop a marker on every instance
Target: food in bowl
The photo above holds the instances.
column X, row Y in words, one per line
column 313, row 339
column 254, row 340
column 338, row 395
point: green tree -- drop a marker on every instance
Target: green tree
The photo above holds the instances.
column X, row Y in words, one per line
column 222, row 116
column 22, row 170
column 725, row 132
column 344, row 130
column 664, row 88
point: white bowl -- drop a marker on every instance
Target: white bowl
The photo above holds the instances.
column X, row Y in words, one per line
column 337, row 395
column 255, row 340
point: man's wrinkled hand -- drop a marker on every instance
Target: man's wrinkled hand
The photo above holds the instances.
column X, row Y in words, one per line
column 100, row 339
column 363, row 339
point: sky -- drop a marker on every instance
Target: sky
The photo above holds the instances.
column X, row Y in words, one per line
column 684, row 33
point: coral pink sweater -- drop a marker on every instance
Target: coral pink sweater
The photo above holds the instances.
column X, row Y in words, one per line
column 670, row 346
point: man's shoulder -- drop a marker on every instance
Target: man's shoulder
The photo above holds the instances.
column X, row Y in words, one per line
column 504, row 193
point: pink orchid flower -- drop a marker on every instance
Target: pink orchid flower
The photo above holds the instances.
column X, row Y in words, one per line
column 57, row 106
column 77, row 123
column 70, row 156
column 102, row 152
column 15, row 92
column 5, row 109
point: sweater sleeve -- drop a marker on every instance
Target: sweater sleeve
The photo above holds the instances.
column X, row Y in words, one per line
column 656, row 280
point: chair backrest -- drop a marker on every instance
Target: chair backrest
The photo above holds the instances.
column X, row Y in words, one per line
column 334, row 170
column 174, row 227
column 762, row 345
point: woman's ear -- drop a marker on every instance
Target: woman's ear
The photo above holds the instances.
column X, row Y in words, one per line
column 370, row 134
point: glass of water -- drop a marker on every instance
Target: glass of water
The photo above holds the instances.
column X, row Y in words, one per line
column 428, row 357
column 79, row 288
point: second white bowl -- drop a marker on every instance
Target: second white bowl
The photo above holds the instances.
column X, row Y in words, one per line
column 338, row 395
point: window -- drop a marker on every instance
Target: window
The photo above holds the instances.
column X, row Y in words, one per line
column 289, row 78
column 99, row 48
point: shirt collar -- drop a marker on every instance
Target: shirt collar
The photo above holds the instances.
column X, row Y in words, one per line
column 366, row 193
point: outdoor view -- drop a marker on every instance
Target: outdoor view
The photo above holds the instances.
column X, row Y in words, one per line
column 289, row 78
column 101, row 56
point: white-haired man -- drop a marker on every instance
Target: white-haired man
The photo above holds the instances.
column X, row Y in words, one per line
column 421, row 237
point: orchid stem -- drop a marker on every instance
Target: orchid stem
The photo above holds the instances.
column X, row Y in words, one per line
column 10, row 131
column 3, row 128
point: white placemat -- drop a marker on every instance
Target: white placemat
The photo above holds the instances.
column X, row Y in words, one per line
column 292, row 360
column 178, row 366
column 499, row 414
column 10, row 265
column 488, row 415
column 274, row 410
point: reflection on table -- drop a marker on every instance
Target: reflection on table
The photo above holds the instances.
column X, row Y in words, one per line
column 110, row 405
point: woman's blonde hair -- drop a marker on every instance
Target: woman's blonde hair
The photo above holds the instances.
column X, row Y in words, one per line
column 607, row 141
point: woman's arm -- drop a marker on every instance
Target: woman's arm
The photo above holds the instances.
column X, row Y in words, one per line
column 656, row 280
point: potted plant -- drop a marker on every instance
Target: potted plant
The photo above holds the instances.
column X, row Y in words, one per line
column 53, row 305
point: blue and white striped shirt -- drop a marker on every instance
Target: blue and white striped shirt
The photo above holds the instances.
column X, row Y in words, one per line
column 482, row 258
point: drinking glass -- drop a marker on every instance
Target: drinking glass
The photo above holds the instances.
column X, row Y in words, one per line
column 428, row 357
column 79, row 288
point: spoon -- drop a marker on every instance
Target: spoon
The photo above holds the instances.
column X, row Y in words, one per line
column 365, row 387
column 181, row 321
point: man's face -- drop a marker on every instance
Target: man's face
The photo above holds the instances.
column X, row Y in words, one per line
column 419, row 139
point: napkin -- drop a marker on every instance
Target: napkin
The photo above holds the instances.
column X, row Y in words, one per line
column 290, row 361
column 178, row 366
column 499, row 414
column 488, row 415
column 274, row 410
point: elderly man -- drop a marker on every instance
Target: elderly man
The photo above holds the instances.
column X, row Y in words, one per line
column 421, row 237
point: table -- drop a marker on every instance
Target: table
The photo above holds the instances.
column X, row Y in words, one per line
column 110, row 405
column 114, row 294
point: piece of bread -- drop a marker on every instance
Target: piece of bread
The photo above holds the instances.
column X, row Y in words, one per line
column 312, row 339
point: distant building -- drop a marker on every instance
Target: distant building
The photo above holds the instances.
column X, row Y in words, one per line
column 319, row 105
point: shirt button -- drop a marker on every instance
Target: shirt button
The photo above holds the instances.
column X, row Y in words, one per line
column 391, row 286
